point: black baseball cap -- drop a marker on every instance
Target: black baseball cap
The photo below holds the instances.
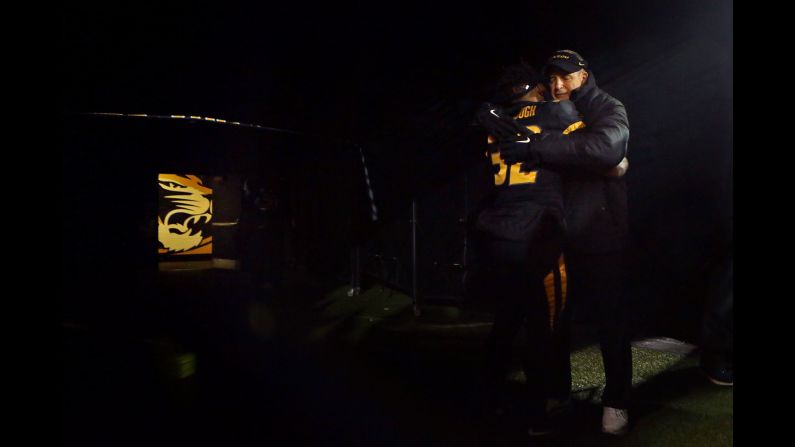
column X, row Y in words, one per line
column 567, row 60
column 516, row 80
column 520, row 73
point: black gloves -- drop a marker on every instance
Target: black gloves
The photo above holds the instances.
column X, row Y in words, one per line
column 521, row 151
column 514, row 140
column 499, row 124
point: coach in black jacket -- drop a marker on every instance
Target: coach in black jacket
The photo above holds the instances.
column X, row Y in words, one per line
column 597, row 234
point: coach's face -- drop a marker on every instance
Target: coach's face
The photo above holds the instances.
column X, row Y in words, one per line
column 561, row 84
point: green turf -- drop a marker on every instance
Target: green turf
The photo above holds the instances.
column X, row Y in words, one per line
column 426, row 362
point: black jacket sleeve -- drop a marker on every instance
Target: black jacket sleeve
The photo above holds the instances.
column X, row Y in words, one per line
column 600, row 145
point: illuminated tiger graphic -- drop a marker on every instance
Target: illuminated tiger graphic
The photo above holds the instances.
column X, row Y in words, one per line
column 181, row 230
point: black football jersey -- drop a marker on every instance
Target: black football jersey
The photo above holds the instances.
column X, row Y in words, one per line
column 542, row 186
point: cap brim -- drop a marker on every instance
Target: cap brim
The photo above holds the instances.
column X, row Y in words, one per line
column 566, row 66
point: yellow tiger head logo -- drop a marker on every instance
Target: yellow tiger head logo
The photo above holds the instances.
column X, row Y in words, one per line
column 183, row 228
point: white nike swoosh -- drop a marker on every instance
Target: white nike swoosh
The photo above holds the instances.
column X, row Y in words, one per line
column 492, row 112
column 524, row 141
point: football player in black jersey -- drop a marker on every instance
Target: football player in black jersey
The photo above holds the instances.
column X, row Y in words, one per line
column 524, row 229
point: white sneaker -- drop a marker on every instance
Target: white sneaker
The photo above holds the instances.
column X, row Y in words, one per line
column 614, row 420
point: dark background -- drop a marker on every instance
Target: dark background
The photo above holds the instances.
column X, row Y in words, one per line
column 400, row 81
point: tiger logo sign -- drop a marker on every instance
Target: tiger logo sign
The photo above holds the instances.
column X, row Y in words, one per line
column 186, row 209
